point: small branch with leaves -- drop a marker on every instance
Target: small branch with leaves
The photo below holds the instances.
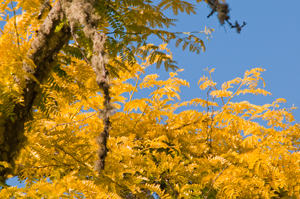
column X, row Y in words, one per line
column 171, row 187
column 212, row 183
column 75, row 40
column 69, row 123
column 46, row 166
column 15, row 24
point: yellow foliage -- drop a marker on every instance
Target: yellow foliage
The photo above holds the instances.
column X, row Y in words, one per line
column 191, row 153
column 221, row 150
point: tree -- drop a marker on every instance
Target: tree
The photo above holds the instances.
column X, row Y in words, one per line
column 151, row 151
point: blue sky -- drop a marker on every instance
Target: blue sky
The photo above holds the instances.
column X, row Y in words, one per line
column 269, row 40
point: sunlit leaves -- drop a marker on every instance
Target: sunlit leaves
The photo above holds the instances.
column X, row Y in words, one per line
column 209, row 146
column 176, row 6
column 151, row 146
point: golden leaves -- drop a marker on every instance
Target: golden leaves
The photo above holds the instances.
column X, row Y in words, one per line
column 150, row 144
column 154, row 146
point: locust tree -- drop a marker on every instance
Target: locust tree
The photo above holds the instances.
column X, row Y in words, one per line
column 60, row 58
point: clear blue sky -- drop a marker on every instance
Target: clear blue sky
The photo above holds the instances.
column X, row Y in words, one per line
column 270, row 40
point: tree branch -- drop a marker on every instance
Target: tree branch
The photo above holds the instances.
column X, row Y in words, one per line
column 69, row 123
column 43, row 52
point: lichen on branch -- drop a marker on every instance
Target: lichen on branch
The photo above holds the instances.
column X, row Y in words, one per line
column 81, row 13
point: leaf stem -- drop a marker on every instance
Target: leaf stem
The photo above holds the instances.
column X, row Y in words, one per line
column 69, row 123
column 15, row 24
column 74, row 37
column 136, row 84
column 224, row 107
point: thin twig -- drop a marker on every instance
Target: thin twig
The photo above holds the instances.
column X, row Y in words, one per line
column 80, row 162
column 112, row 179
column 15, row 24
column 83, row 54
column 207, row 126
column 216, row 88
column 212, row 119
column 41, row 167
column 225, row 106
column 136, row 84
column 213, row 8
column 138, row 33
column 191, row 175
column 144, row 110
column 174, row 191
column 141, row 114
column 184, row 125
column 69, row 123
column 212, row 183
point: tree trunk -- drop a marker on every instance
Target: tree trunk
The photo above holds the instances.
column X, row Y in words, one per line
column 44, row 49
